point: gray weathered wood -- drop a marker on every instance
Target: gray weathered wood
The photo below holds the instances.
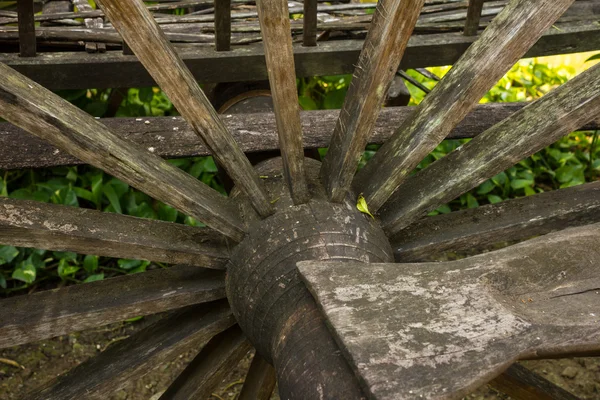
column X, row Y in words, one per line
column 277, row 41
column 26, row 223
column 473, row 17
column 206, row 371
column 309, row 23
column 531, row 129
column 393, row 23
column 440, row 330
column 223, row 25
column 137, row 26
column 260, row 380
column 27, row 45
column 138, row 355
column 84, row 6
column 480, row 228
column 45, row 314
column 46, row 115
column 506, row 39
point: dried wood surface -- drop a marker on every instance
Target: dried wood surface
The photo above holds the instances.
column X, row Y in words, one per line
column 392, row 26
column 100, row 376
column 531, row 129
column 222, row 25
column 84, row 6
column 440, row 330
column 46, row 115
column 507, row 39
column 309, row 23
column 484, row 226
column 473, row 17
column 136, row 25
column 26, row 29
column 260, row 380
column 51, row 313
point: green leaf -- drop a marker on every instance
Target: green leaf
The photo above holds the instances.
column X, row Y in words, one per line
column 112, row 197
column 65, row 255
column 529, row 191
column 486, row 187
column 472, row 201
column 96, row 108
column 2, row 281
column 307, row 103
column 145, row 94
column 361, row 204
column 594, row 57
column 520, row 183
column 445, row 209
column 65, row 269
column 95, row 277
column 90, row 264
column 127, row 264
column 493, row 199
column 334, row 100
column 7, row 254
column 26, row 273
column 167, row 213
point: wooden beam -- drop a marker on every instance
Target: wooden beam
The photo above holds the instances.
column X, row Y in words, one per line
column 132, row 358
column 506, row 39
column 26, row 23
column 50, row 313
column 473, row 17
column 392, row 26
column 531, row 129
column 46, row 115
column 222, row 25
column 139, row 29
column 260, row 380
column 309, row 23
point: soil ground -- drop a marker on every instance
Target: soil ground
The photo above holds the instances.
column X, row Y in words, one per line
column 37, row 363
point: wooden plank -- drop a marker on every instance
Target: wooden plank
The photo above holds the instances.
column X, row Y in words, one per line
column 392, row 26
column 260, row 380
column 50, row 313
column 223, row 25
column 506, row 39
column 277, row 41
column 129, row 359
column 138, row 28
column 27, row 45
column 26, row 223
column 309, row 23
column 473, row 17
column 207, row 370
column 521, row 383
column 46, row 115
column 482, row 227
column 531, row 129
column 440, row 330
column 84, row 6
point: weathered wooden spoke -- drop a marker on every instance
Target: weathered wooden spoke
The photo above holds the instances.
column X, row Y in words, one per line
column 391, row 27
column 136, row 25
column 506, row 39
column 26, row 223
column 210, row 366
column 520, row 383
column 260, row 380
column 50, row 313
column 527, row 131
column 277, row 40
column 139, row 354
column 46, row 115
column 438, row 330
column 481, row 227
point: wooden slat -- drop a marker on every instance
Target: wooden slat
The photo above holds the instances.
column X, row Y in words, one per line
column 277, row 41
column 392, row 26
column 26, row 22
column 473, row 17
column 207, row 370
column 309, row 24
column 50, row 313
column 26, row 223
column 482, row 227
column 44, row 114
column 138, row 355
column 138, row 28
column 440, row 330
column 260, row 380
column 506, row 39
column 534, row 127
column 223, row 25
column 521, row 383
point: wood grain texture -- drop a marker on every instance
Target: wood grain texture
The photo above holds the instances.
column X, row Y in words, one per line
column 520, row 383
column 531, row 129
column 207, row 370
column 473, row 17
column 223, row 25
column 506, row 39
column 84, row 6
column 440, row 330
column 132, row 358
column 279, row 55
column 46, row 115
column 26, row 23
column 171, row 137
column 259, row 382
column 137, row 26
column 51, row 313
column 309, row 23
column 482, row 227
column 392, row 26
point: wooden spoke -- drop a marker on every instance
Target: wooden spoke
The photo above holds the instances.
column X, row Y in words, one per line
column 50, row 313
column 473, row 17
column 309, row 26
column 210, row 366
column 392, row 26
column 44, row 114
column 26, row 22
column 260, row 380
column 277, row 41
column 53, row 227
column 506, row 39
column 481, row 227
column 529, row 130
column 137, row 27
column 521, row 383
column 134, row 357
column 439, row 330
column 223, row 25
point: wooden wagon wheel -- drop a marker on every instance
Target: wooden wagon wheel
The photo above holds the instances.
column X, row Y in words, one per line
column 369, row 327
